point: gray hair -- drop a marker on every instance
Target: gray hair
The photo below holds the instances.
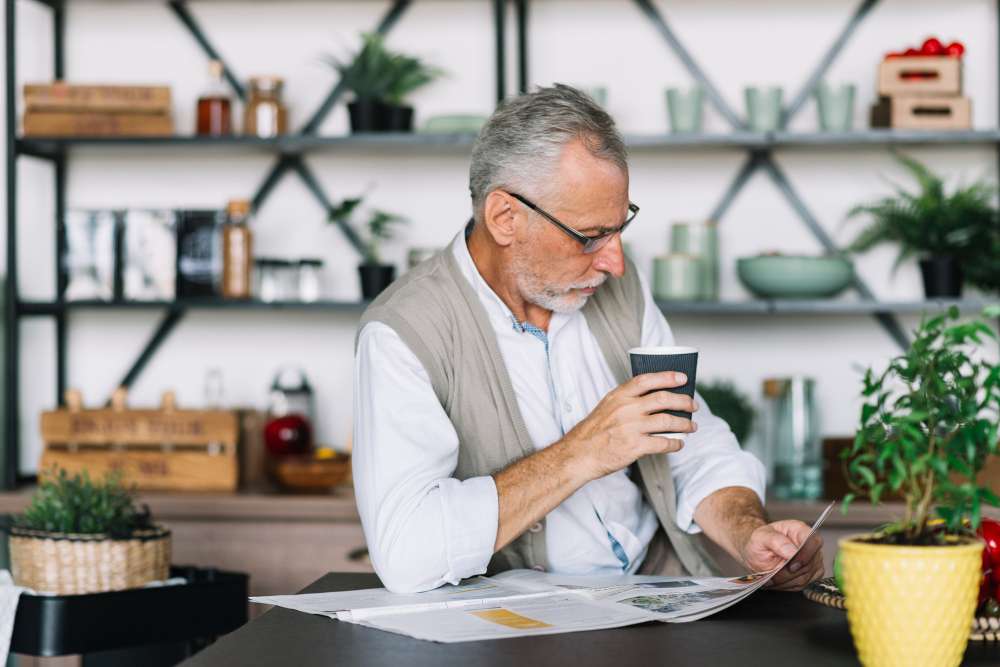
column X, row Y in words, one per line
column 520, row 145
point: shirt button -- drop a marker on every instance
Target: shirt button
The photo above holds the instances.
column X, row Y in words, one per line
column 538, row 568
column 536, row 527
column 567, row 406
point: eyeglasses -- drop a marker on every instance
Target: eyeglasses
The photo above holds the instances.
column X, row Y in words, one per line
column 590, row 244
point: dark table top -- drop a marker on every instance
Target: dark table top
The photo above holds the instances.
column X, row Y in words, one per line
column 769, row 629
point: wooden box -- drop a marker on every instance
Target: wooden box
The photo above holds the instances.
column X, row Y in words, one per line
column 162, row 450
column 937, row 75
column 923, row 113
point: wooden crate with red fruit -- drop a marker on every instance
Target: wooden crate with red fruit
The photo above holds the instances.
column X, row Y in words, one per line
column 921, row 89
column 920, row 75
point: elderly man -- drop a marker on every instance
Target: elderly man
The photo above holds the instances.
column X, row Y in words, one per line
column 495, row 423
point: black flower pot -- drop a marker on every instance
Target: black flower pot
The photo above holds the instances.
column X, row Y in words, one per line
column 375, row 278
column 942, row 277
column 398, row 118
column 367, row 115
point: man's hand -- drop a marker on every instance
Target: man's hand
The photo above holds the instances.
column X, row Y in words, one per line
column 617, row 431
column 769, row 545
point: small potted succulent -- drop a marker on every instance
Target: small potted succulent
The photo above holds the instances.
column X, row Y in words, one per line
column 928, row 423
column 375, row 275
column 81, row 536
column 954, row 234
column 380, row 80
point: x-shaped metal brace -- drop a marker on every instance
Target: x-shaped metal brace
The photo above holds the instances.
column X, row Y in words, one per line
column 762, row 157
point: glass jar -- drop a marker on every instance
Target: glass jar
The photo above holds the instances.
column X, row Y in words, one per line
column 310, row 283
column 265, row 115
column 793, row 434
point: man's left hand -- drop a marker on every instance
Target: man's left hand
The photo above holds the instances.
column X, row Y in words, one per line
column 771, row 544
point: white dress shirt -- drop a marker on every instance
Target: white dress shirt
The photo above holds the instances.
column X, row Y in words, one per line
column 425, row 528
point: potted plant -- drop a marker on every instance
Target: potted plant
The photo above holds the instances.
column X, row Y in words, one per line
column 375, row 276
column 80, row 536
column 408, row 73
column 731, row 405
column 380, row 80
column 928, row 423
column 950, row 232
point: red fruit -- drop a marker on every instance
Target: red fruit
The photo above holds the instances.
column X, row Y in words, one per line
column 989, row 530
column 932, row 46
column 893, row 54
column 912, row 52
column 288, row 434
column 955, row 49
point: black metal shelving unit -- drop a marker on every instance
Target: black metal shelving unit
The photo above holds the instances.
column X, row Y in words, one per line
column 289, row 152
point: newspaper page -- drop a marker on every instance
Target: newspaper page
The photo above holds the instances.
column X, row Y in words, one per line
column 521, row 603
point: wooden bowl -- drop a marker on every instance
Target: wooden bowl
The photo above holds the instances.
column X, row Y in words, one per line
column 311, row 473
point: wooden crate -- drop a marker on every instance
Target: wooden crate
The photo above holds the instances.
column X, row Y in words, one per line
column 941, row 76
column 923, row 113
column 164, row 449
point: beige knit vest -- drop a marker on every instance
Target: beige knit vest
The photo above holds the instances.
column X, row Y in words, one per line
column 437, row 313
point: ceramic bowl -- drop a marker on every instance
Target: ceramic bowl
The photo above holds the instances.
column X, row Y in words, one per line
column 794, row 277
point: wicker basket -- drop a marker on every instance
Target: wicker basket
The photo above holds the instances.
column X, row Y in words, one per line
column 68, row 564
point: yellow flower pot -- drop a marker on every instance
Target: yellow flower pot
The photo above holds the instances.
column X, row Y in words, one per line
column 910, row 605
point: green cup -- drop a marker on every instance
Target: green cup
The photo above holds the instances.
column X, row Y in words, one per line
column 763, row 107
column 685, row 109
column 835, row 105
column 677, row 277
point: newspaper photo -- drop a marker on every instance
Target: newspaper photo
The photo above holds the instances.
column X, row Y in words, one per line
column 520, row 603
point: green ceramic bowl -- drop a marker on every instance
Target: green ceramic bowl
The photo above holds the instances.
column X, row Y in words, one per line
column 794, row 277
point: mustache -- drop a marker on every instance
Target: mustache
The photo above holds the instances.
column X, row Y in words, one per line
column 596, row 282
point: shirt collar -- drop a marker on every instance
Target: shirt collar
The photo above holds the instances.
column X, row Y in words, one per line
column 500, row 315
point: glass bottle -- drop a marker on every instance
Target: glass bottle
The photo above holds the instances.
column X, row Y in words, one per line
column 237, row 250
column 215, row 106
column 265, row 116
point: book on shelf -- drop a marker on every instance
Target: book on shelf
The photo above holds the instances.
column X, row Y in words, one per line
column 76, row 124
column 61, row 96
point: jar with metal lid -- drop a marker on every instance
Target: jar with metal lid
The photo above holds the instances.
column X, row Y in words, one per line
column 310, row 283
column 265, row 115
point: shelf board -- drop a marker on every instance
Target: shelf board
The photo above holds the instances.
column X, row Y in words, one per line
column 819, row 306
column 750, row 307
column 463, row 141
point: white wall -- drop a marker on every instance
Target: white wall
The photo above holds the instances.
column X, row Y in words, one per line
column 582, row 42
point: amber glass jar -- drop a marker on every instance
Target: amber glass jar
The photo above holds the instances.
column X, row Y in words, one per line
column 265, row 115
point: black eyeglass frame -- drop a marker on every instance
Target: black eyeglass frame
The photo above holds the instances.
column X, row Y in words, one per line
column 590, row 243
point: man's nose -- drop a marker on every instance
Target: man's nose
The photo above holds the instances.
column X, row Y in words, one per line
column 611, row 258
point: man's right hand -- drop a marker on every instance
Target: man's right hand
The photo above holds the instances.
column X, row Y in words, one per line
column 617, row 431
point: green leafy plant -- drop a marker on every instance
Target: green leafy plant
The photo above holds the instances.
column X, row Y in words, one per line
column 76, row 504
column 376, row 73
column 928, row 423
column 730, row 404
column 928, row 221
column 379, row 227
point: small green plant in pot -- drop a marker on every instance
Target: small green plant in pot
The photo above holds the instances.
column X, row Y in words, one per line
column 731, row 405
column 83, row 536
column 953, row 234
column 928, row 423
column 380, row 81
column 379, row 226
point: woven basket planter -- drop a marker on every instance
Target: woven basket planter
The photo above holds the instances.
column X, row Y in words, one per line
column 68, row 564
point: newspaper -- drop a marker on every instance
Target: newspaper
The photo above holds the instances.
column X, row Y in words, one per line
column 521, row 603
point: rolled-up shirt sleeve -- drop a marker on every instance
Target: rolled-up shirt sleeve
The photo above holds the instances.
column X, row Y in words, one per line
column 424, row 528
column 711, row 458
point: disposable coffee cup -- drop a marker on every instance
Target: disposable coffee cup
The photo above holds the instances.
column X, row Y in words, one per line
column 668, row 358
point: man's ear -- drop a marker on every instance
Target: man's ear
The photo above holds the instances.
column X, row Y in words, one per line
column 498, row 214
